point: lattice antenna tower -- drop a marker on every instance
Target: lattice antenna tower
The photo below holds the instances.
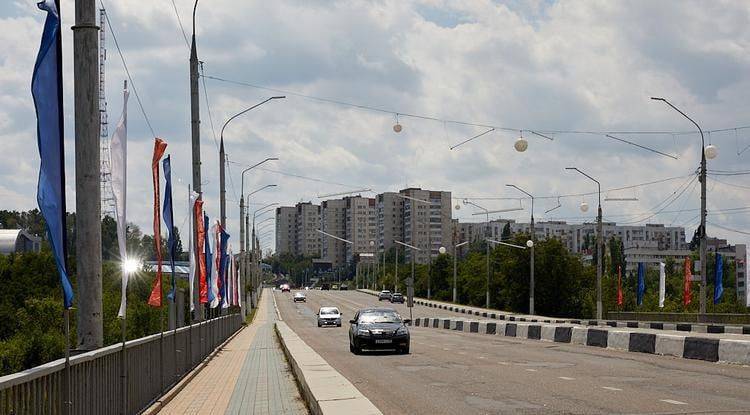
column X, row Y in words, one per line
column 108, row 201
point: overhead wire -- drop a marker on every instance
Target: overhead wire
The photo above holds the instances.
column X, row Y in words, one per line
column 127, row 71
column 666, row 202
column 540, row 131
column 179, row 22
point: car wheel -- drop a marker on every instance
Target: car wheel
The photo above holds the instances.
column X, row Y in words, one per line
column 318, row 324
column 338, row 325
column 404, row 350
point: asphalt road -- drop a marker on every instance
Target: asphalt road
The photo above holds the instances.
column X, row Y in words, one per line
column 449, row 372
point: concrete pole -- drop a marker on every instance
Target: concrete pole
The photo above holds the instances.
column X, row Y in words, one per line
column 88, row 191
column 703, row 257
column 455, row 272
column 222, row 186
column 195, row 129
column 531, row 266
column 487, row 237
column 599, row 258
column 243, row 306
column 395, row 285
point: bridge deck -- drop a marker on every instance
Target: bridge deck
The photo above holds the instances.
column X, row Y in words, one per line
column 249, row 376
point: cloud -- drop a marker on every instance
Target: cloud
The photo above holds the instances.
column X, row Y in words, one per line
column 524, row 65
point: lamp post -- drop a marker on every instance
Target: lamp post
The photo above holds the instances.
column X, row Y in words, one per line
column 223, row 161
column 599, row 245
column 706, row 152
column 254, row 247
column 533, row 239
column 486, row 235
column 455, row 268
column 410, row 282
column 243, row 226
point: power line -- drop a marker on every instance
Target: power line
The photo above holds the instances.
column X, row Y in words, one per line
column 667, row 202
column 452, row 121
column 179, row 21
column 208, row 107
column 299, row 176
column 729, row 229
column 127, row 72
column 739, row 186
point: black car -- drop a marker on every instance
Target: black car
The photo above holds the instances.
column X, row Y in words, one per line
column 397, row 298
column 343, row 287
column 378, row 328
column 325, row 286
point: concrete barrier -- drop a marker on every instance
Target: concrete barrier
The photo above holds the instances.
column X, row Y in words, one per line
column 669, row 345
column 324, row 389
column 618, row 340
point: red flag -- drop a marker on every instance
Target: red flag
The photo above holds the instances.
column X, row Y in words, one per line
column 619, row 285
column 686, row 295
column 200, row 248
column 154, row 300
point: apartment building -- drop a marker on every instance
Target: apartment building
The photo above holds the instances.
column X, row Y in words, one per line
column 390, row 219
column 333, row 221
column 286, row 229
column 307, row 220
column 361, row 226
column 427, row 222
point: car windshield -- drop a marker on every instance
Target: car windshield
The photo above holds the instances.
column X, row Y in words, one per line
column 379, row 317
column 329, row 311
column 385, row 292
column 299, row 295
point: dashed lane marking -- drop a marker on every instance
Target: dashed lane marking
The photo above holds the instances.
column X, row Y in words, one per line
column 610, row 388
column 673, row 402
column 531, row 370
column 566, row 378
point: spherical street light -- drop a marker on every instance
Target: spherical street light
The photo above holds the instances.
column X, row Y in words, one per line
column 584, row 207
column 397, row 127
column 372, row 243
column 130, row 265
column 442, row 250
column 711, row 151
column 521, row 145
column 529, row 243
column 457, row 207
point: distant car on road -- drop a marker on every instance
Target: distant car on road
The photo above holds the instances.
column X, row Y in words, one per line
column 329, row 316
column 325, row 286
column 335, row 287
column 343, row 287
column 285, row 288
column 397, row 298
column 378, row 328
column 300, row 296
column 384, row 295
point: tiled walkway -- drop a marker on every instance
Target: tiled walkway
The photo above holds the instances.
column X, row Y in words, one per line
column 249, row 376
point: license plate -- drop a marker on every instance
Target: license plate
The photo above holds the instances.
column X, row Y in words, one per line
column 383, row 341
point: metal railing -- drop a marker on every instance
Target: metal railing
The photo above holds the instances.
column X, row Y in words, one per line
column 153, row 364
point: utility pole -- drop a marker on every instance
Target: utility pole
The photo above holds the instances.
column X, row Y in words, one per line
column 195, row 128
column 88, row 189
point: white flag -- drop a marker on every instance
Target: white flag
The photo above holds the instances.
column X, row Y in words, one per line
column 191, row 218
column 118, row 150
column 662, row 282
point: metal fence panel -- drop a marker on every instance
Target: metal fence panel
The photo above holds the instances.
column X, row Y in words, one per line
column 153, row 365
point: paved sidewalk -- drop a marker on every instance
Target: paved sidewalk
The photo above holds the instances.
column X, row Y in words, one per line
column 249, row 376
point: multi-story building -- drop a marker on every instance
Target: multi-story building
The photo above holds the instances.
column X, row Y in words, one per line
column 361, row 226
column 390, row 220
column 427, row 222
column 333, row 221
column 307, row 220
column 286, row 230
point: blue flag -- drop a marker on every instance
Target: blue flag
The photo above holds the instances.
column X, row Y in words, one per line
column 641, row 282
column 209, row 260
column 719, row 279
column 46, row 89
column 223, row 261
column 167, row 214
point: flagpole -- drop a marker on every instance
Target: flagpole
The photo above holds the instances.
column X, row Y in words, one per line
column 124, row 367
column 67, row 403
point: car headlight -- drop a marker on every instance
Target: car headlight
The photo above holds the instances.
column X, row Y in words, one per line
column 401, row 330
column 363, row 332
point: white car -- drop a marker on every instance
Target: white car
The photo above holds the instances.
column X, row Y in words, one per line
column 299, row 296
column 329, row 316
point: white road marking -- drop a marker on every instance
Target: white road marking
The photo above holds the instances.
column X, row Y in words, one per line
column 531, row 370
column 566, row 378
column 482, row 357
column 673, row 402
column 447, row 350
column 610, row 388
column 503, row 363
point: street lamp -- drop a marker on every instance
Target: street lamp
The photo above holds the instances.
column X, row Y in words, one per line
column 531, row 246
column 599, row 247
column 223, row 161
column 707, row 152
column 486, row 235
column 410, row 282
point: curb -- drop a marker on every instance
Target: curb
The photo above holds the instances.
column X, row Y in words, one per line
column 503, row 315
column 324, row 389
column 709, row 349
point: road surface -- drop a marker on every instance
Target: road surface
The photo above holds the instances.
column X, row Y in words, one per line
column 450, row 372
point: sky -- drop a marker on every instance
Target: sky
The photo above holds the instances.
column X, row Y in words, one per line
column 545, row 66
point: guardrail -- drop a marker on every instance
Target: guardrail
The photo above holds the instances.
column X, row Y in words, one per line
column 153, row 364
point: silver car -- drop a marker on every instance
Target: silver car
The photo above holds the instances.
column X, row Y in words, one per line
column 329, row 316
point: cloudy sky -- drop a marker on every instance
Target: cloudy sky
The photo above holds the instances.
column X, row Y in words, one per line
column 525, row 65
